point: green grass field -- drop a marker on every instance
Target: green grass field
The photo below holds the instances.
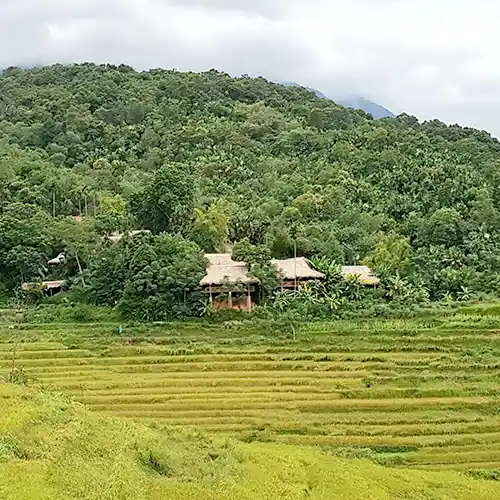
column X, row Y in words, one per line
column 51, row 449
column 421, row 393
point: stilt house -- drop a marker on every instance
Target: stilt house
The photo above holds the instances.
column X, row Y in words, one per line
column 295, row 273
column 228, row 283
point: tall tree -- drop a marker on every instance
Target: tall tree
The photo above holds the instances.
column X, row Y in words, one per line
column 167, row 204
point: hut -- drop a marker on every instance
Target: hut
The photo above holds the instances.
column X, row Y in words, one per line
column 296, row 272
column 49, row 288
column 362, row 273
column 117, row 237
column 57, row 261
column 228, row 283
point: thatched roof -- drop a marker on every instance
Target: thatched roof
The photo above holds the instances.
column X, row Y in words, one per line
column 363, row 273
column 60, row 259
column 222, row 269
column 299, row 268
column 46, row 285
column 116, row 237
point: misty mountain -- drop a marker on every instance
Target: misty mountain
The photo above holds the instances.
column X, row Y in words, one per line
column 315, row 91
column 376, row 110
column 356, row 102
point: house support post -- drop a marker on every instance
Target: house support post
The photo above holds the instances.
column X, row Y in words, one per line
column 249, row 300
column 230, row 300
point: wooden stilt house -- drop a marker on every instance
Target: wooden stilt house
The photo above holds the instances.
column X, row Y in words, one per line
column 228, row 283
column 295, row 273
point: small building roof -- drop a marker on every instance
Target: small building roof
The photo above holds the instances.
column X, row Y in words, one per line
column 47, row 285
column 116, row 237
column 298, row 268
column 222, row 269
column 363, row 273
column 60, row 259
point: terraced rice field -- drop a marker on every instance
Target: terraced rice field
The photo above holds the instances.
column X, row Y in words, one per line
column 419, row 394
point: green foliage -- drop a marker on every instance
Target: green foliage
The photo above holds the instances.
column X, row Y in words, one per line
column 167, row 203
column 211, row 227
column 112, row 205
column 112, row 215
column 25, row 242
column 388, row 456
column 444, row 227
column 258, row 259
column 108, row 272
column 68, row 312
column 311, row 301
column 485, row 474
column 12, row 448
column 32, row 295
column 78, row 241
column 149, row 277
column 18, row 376
column 244, row 251
column 401, row 290
column 220, row 159
column 152, row 462
column 392, row 255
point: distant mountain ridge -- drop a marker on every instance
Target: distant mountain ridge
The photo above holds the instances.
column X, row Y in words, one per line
column 356, row 102
column 376, row 110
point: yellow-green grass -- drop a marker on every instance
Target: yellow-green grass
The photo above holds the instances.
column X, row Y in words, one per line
column 433, row 385
column 51, row 449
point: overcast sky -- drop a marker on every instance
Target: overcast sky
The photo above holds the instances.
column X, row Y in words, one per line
column 429, row 58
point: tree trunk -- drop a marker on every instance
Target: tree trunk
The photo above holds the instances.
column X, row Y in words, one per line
column 80, row 269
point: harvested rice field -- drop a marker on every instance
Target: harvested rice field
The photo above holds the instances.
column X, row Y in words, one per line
column 422, row 394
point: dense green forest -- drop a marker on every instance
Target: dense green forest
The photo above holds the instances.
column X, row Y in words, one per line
column 204, row 161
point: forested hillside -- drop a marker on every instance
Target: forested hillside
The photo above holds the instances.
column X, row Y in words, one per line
column 213, row 160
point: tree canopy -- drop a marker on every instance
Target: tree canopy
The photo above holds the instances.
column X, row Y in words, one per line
column 213, row 160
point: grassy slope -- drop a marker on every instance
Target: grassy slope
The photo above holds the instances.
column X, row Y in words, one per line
column 417, row 393
column 52, row 449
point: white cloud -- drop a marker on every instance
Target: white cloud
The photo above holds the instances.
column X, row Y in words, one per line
column 428, row 58
column 264, row 8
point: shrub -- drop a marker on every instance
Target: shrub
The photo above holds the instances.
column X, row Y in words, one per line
column 69, row 313
column 487, row 474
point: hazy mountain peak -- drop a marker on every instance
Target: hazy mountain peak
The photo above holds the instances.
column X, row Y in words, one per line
column 356, row 102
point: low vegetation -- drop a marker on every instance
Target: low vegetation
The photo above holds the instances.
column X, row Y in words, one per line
column 52, row 449
column 419, row 392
